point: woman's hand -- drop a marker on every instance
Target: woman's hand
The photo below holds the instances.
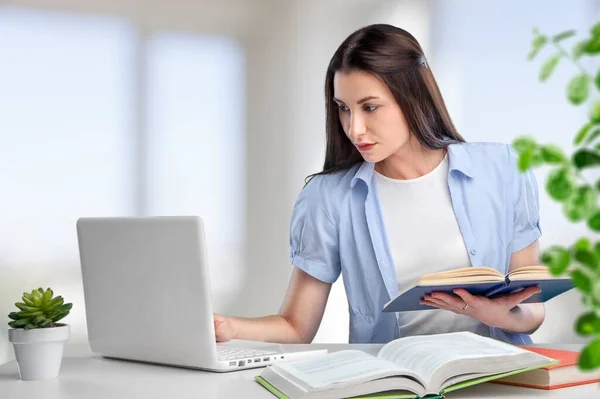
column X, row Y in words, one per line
column 223, row 329
column 494, row 312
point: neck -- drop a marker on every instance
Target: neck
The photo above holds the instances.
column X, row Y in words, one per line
column 411, row 161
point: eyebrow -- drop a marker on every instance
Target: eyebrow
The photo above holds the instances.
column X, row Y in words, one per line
column 362, row 100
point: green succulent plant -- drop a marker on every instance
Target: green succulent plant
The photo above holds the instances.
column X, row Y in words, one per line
column 39, row 309
column 573, row 180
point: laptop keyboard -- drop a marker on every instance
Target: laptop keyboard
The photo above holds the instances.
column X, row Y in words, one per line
column 228, row 353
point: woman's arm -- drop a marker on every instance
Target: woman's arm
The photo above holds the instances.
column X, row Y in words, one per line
column 297, row 321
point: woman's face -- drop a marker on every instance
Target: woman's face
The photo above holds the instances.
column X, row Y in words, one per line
column 370, row 115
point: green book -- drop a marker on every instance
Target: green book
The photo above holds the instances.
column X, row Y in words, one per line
column 426, row 366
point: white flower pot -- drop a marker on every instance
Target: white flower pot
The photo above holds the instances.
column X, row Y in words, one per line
column 39, row 351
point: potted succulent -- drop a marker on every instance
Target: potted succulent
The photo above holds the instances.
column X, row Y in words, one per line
column 37, row 338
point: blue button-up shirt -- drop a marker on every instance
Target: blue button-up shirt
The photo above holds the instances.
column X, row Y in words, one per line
column 337, row 227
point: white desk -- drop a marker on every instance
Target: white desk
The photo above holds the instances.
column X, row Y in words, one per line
column 85, row 375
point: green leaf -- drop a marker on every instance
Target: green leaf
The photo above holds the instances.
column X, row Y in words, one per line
column 21, row 322
column 578, row 89
column 593, row 134
column 37, row 298
column 585, row 158
column 581, row 204
column 589, row 358
column 27, row 295
column 579, row 49
column 41, row 291
column 20, row 305
column 38, row 320
column 54, row 303
column 588, row 324
column 47, row 296
column 594, row 111
column 13, row 316
column 563, row 35
column 596, row 293
column 59, row 316
column 593, row 46
column 549, row 66
column 45, row 323
column 30, row 327
column 537, row 158
column 557, row 259
column 587, row 258
column 28, row 302
column 524, row 143
column 597, row 249
column 12, row 324
column 582, row 133
column 525, row 160
column 560, row 184
column 595, row 30
column 581, row 281
column 537, row 44
column 583, row 244
column 553, row 154
column 594, row 221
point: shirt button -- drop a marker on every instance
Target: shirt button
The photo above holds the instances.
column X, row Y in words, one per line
column 473, row 252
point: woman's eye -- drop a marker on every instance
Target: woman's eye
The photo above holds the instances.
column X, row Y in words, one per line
column 342, row 108
column 370, row 108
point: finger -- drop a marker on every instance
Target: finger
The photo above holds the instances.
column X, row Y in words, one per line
column 433, row 299
column 520, row 296
column 428, row 303
column 466, row 297
column 441, row 304
column 452, row 301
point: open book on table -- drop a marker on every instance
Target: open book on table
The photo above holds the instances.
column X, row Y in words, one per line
column 409, row 367
column 480, row 280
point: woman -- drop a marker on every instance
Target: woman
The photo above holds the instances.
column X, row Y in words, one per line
column 401, row 194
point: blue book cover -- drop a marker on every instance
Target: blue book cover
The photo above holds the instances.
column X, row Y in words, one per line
column 488, row 282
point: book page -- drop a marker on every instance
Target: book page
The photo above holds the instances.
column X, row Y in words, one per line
column 531, row 273
column 462, row 275
column 341, row 368
column 426, row 354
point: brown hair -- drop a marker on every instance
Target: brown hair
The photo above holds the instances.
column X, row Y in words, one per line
column 395, row 57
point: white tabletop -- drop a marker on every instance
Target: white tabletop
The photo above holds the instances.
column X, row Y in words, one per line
column 86, row 375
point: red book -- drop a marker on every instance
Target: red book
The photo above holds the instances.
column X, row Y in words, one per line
column 561, row 375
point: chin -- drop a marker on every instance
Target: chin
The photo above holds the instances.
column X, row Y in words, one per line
column 372, row 157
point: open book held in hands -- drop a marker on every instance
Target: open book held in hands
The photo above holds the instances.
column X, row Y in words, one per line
column 483, row 281
column 409, row 367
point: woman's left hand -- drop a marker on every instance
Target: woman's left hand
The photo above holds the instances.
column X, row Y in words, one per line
column 492, row 312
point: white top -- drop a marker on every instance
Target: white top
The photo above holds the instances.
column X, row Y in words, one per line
column 424, row 237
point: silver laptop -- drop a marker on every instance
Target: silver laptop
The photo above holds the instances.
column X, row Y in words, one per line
column 148, row 298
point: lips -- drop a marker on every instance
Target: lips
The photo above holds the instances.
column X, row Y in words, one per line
column 365, row 146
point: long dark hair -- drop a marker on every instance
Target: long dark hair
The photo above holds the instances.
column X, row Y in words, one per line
column 395, row 57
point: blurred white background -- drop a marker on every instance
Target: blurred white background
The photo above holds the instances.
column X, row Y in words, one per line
column 123, row 107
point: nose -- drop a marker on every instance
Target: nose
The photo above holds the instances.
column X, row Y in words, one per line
column 357, row 127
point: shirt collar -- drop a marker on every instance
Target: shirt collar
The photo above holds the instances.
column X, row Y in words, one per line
column 458, row 159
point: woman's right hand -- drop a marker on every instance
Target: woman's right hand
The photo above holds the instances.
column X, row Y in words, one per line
column 223, row 329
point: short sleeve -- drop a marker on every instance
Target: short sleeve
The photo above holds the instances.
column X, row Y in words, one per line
column 313, row 235
column 525, row 202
